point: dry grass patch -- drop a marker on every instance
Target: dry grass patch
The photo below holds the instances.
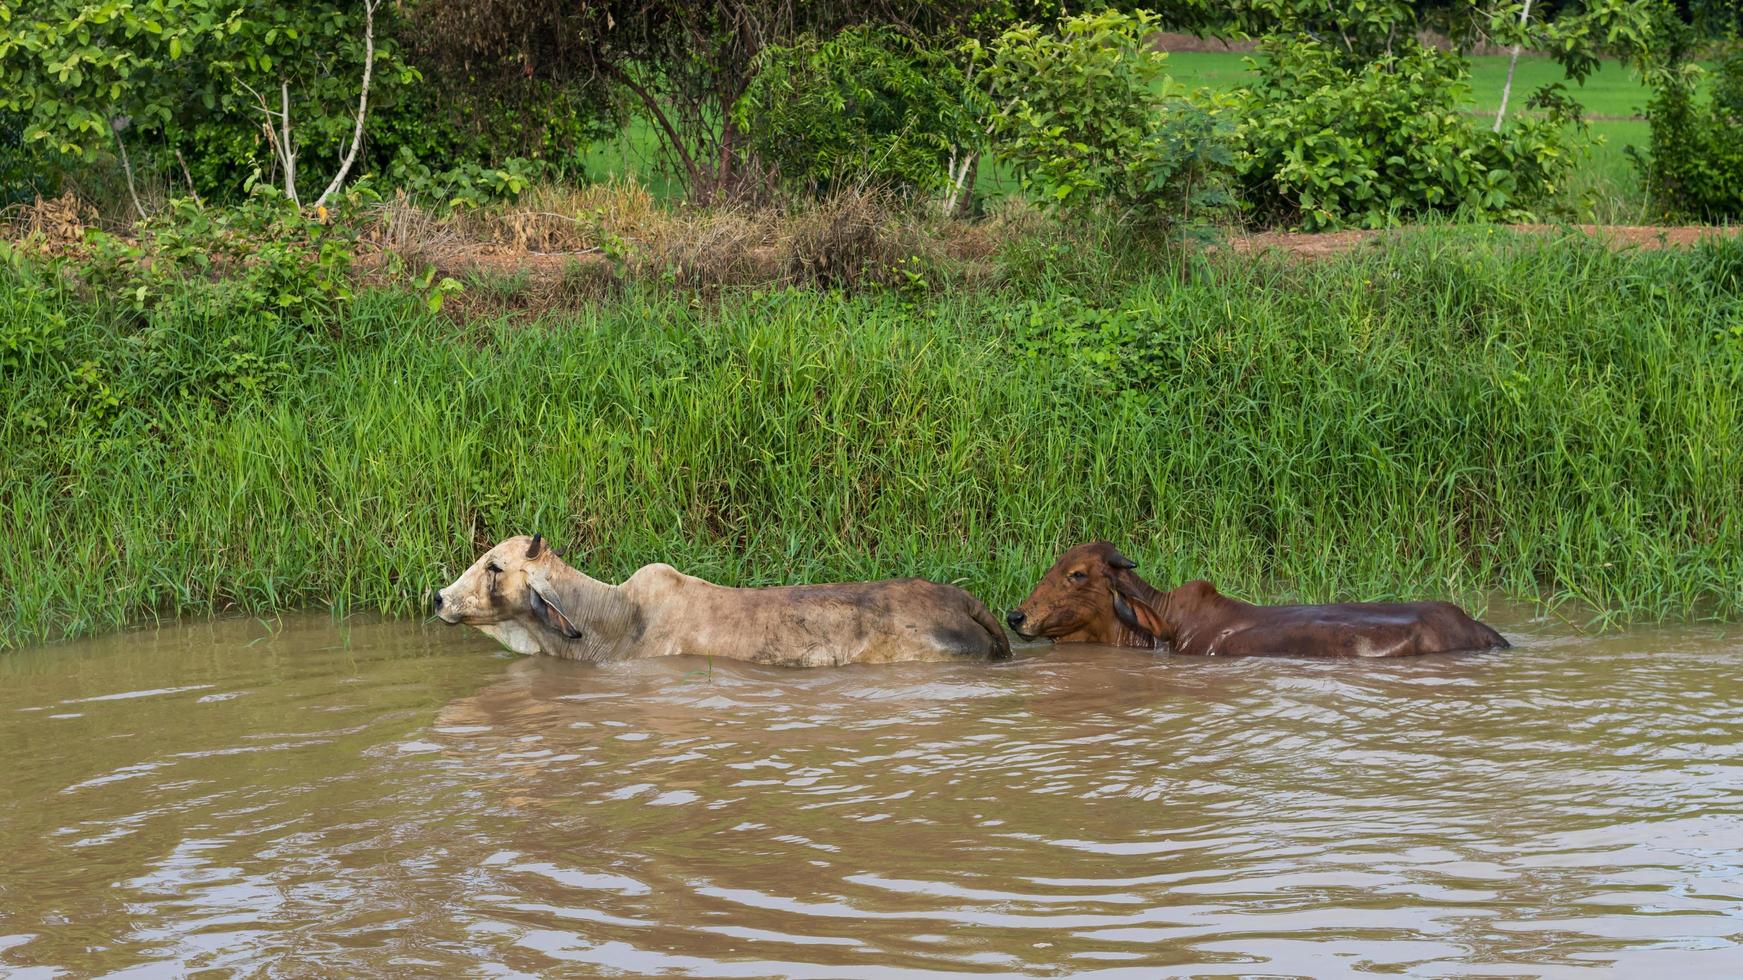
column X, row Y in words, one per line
column 49, row 224
column 578, row 241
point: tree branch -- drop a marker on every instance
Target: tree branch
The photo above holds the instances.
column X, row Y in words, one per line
column 288, row 152
column 116, row 126
column 659, row 117
column 362, row 102
column 190, row 178
column 1507, row 89
column 272, row 138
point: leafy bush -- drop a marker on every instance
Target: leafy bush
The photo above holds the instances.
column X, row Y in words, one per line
column 31, row 332
column 1091, row 120
column 1695, row 162
column 868, row 106
column 466, row 184
column 265, row 260
column 148, row 78
column 20, row 163
column 1327, row 141
column 206, row 309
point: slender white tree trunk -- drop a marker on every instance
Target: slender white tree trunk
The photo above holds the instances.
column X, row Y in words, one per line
column 116, row 126
column 1507, row 89
column 362, row 102
column 953, row 192
column 285, row 150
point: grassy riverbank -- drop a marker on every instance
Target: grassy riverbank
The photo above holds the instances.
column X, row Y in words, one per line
column 1459, row 412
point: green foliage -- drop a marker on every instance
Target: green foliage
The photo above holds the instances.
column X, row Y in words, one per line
column 195, row 75
column 21, row 164
column 31, row 331
column 1695, row 164
column 867, row 106
column 465, row 185
column 1090, row 120
column 524, row 124
column 265, row 260
column 69, row 67
column 1573, row 32
column 683, row 65
column 1325, row 143
column 1580, row 31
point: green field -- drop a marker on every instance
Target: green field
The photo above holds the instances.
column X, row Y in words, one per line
column 1613, row 90
column 1463, row 413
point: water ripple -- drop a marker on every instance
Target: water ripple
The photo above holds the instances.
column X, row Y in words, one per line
column 411, row 801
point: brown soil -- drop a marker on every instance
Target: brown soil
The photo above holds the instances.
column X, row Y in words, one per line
column 534, row 258
column 1302, row 244
column 1318, row 244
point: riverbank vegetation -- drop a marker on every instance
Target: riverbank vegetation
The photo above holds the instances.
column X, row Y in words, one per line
column 1463, row 412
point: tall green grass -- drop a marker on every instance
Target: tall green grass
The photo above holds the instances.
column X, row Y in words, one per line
column 1460, row 412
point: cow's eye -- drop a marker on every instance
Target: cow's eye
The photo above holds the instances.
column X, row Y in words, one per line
column 492, row 569
column 1077, row 576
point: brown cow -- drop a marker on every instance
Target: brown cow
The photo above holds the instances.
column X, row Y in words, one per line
column 1091, row 595
column 525, row 597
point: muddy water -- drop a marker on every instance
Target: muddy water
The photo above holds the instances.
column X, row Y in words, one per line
column 394, row 798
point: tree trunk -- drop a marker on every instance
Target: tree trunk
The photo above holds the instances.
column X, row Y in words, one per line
column 362, row 103
column 1507, row 89
column 126, row 166
column 691, row 172
column 290, row 155
column 960, row 191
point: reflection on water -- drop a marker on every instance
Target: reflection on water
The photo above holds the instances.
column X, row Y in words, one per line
column 389, row 797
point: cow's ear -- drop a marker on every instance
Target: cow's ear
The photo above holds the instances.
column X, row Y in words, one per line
column 1117, row 560
column 550, row 615
column 1138, row 614
column 537, row 546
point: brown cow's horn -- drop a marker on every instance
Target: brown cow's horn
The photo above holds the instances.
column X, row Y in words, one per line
column 1117, row 560
column 533, row 549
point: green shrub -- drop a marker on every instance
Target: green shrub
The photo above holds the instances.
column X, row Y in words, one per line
column 264, row 260
column 466, row 184
column 31, row 332
column 1326, row 141
column 201, row 76
column 1090, row 120
column 20, row 163
column 868, row 106
column 1694, row 166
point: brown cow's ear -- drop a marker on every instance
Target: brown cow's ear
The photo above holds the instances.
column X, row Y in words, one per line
column 1117, row 560
column 538, row 543
column 1138, row 614
column 551, row 615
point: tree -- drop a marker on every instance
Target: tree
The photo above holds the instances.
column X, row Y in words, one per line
column 868, row 106
column 88, row 74
column 1087, row 114
column 1693, row 165
column 685, row 66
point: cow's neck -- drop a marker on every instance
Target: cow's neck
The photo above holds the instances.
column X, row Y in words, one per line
column 607, row 618
column 1193, row 612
